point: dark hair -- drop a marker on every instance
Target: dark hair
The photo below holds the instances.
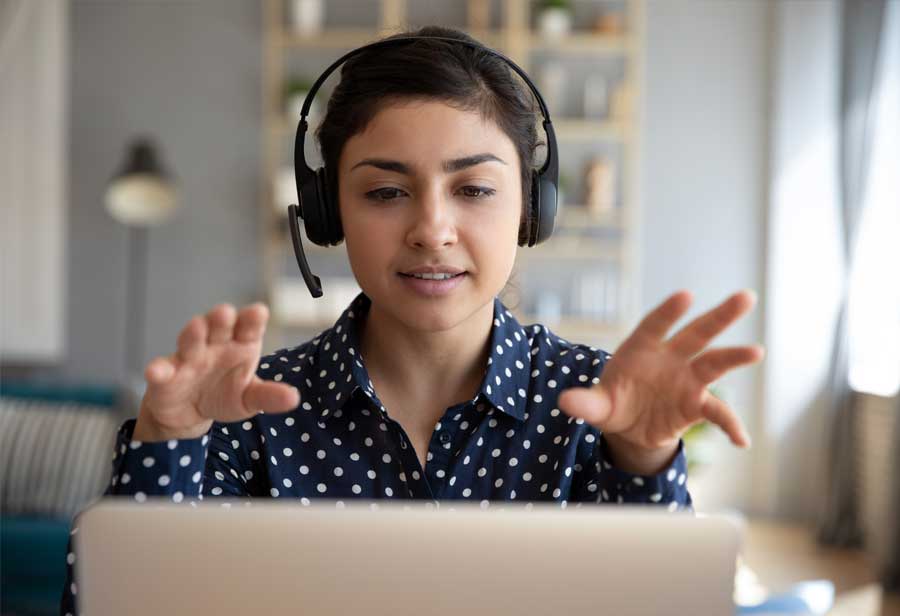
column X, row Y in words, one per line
column 467, row 78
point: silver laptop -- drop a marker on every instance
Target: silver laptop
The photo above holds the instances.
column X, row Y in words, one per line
column 379, row 558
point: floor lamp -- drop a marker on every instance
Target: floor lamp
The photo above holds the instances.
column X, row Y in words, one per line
column 140, row 195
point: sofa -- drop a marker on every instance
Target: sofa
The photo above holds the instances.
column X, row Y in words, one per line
column 55, row 448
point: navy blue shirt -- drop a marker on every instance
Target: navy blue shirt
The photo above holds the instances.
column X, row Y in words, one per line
column 509, row 442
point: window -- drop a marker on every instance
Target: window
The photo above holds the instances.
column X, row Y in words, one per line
column 874, row 299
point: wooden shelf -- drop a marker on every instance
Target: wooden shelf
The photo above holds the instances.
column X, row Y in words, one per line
column 570, row 249
column 579, row 129
column 335, row 38
column 578, row 328
column 577, row 216
column 582, row 42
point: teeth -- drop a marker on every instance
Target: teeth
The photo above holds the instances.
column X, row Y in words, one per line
column 432, row 276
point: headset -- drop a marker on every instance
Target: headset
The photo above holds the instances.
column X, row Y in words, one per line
column 319, row 209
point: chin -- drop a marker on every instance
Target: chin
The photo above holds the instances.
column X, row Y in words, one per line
column 434, row 314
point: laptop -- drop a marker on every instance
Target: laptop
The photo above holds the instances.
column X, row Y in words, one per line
column 377, row 558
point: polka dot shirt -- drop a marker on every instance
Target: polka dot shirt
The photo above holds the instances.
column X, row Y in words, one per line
column 509, row 442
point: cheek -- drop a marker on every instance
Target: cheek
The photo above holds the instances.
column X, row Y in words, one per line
column 368, row 243
column 494, row 239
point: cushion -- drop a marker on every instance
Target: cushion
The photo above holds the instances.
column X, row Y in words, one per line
column 54, row 456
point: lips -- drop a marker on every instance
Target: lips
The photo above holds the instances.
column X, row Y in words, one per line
column 432, row 282
column 433, row 272
column 433, row 269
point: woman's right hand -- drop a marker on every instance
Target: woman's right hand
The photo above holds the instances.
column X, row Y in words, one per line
column 211, row 377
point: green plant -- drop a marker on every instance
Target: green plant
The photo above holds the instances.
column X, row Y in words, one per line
column 556, row 4
column 695, row 439
column 297, row 85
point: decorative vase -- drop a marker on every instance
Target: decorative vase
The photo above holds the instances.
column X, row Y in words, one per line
column 554, row 22
column 307, row 16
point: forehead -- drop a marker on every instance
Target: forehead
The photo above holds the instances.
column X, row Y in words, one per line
column 426, row 132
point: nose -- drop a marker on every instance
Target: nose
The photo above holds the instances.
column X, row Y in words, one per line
column 433, row 224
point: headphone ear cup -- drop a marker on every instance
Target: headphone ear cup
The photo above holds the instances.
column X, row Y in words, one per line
column 310, row 210
column 545, row 217
column 531, row 219
column 330, row 212
column 320, row 221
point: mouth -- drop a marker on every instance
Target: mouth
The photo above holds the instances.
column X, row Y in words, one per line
column 433, row 276
column 433, row 272
column 433, row 281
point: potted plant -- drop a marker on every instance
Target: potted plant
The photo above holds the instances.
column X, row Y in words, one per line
column 697, row 443
column 554, row 18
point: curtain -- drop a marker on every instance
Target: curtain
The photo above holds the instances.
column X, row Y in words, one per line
column 861, row 33
column 891, row 52
column 891, row 572
column 34, row 98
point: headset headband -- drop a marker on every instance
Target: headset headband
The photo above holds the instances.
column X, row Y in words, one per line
column 548, row 125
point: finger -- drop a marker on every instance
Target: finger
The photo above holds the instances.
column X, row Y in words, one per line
column 699, row 332
column 221, row 321
column 159, row 371
column 711, row 365
column 192, row 339
column 591, row 404
column 251, row 323
column 720, row 414
column 270, row 396
column 660, row 320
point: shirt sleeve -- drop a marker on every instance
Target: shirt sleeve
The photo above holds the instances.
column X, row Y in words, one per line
column 182, row 470
column 602, row 482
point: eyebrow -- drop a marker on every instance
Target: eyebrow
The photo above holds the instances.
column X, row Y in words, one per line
column 449, row 166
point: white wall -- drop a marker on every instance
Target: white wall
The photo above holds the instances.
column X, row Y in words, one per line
column 739, row 190
column 704, row 175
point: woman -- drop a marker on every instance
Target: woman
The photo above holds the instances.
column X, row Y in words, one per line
column 427, row 387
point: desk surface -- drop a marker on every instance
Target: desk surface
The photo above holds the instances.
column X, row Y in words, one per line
column 782, row 554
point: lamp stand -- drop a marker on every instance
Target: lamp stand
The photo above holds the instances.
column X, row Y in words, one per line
column 136, row 302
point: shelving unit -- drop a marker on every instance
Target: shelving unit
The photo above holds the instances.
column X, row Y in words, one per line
column 582, row 244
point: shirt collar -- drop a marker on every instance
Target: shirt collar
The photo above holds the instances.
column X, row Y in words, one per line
column 338, row 367
column 509, row 364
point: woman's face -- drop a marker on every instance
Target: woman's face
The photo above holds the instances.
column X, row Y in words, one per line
column 430, row 191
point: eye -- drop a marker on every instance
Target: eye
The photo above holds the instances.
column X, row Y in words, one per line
column 477, row 192
column 384, row 194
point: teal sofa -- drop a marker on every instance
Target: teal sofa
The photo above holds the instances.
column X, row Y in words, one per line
column 55, row 444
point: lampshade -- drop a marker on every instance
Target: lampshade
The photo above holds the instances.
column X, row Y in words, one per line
column 141, row 193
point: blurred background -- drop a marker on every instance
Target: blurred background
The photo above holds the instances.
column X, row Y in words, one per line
column 709, row 145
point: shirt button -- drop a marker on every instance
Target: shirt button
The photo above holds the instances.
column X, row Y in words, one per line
column 445, row 437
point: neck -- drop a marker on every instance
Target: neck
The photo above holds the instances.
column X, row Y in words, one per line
column 444, row 367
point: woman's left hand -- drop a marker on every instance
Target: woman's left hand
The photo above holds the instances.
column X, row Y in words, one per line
column 652, row 390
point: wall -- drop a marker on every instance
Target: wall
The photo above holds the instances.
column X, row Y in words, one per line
column 189, row 74
column 704, row 191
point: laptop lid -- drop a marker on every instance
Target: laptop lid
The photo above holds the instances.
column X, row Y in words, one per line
column 378, row 558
